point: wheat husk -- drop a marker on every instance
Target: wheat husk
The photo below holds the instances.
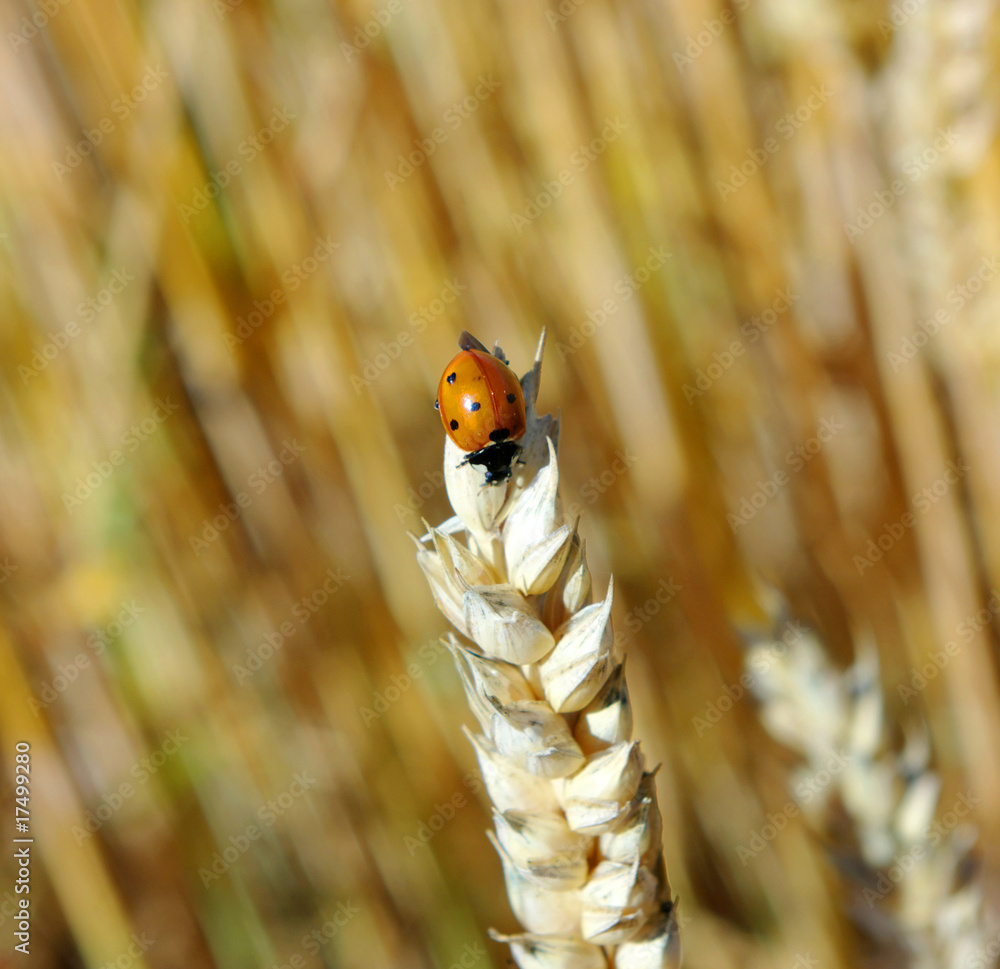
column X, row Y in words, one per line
column 912, row 884
column 577, row 826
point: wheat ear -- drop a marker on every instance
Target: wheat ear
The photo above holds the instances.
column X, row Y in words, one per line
column 577, row 825
column 912, row 880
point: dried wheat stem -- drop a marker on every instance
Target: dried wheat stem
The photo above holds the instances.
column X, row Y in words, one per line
column 577, row 826
column 914, row 878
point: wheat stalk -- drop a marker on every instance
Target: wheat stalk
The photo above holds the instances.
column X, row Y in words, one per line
column 577, row 825
column 913, row 882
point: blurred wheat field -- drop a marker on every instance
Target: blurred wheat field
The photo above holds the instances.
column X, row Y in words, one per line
column 238, row 243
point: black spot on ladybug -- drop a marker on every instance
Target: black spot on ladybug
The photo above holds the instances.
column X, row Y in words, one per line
column 511, row 398
column 475, row 405
column 500, row 434
column 454, row 425
column 451, row 377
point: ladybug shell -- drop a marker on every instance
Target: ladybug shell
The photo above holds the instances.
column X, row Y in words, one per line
column 480, row 401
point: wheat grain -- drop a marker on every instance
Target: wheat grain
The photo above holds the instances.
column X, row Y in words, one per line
column 577, row 826
column 913, row 877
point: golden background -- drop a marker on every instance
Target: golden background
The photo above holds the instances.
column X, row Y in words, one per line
column 238, row 243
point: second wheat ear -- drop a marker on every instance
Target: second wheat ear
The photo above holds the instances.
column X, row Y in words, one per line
column 914, row 883
column 577, row 825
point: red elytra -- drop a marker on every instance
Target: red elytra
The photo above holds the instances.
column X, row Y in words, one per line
column 480, row 399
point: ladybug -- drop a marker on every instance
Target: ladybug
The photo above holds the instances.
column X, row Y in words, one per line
column 482, row 408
